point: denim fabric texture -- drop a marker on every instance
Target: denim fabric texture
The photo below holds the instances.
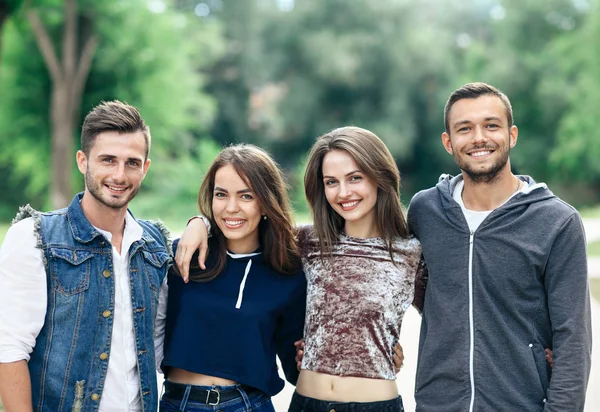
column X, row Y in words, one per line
column 301, row 403
column 69, row 362
column 249, row 400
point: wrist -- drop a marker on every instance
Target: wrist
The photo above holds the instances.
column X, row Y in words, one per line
column 203, row 218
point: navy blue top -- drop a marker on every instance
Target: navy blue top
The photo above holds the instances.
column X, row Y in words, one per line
column 207, row 334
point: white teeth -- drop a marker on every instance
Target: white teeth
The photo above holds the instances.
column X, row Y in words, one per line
column 117, row 189
column 482, row 153
column 349, row 204
column 234, row 222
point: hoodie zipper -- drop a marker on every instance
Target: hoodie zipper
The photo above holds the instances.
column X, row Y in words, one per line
column 471, row 322
column 528, row 190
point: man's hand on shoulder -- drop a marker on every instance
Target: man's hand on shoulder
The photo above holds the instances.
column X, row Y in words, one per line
column 194, row 237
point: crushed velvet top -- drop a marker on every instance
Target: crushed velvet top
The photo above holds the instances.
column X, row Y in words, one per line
column 356, row 302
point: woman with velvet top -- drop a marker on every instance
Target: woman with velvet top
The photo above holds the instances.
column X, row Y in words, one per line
column 363, row 271
column 225, row 328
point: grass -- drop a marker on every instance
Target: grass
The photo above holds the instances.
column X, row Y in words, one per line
column 3, row 228
column 591, row 212
column 595, row 288
column 594, row 249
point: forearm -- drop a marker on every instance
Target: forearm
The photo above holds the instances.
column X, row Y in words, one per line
column 15, row 386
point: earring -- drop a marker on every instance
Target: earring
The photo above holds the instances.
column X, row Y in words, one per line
column 264, row 217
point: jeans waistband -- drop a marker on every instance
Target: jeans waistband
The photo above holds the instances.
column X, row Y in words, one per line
column 203, row 394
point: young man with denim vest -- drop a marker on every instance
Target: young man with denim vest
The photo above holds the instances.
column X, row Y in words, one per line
column 507, row 276
column 80, row 286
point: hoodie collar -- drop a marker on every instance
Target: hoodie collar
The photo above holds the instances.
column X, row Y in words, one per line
column 534, row 193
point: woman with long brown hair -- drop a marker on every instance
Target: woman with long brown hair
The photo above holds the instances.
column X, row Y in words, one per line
column 225, row 328
column 363, row 271
column 362, row 268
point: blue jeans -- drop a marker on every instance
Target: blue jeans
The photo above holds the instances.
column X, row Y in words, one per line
column 249, row 400
column 301, row 403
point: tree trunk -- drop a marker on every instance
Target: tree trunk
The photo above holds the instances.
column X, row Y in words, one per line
column 68, row 75
column 62, row 145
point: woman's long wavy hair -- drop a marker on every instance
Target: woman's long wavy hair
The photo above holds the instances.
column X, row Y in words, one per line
column 375, row 160
column 277, row 234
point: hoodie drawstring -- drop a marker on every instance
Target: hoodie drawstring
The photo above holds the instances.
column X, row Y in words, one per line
column 242, row 285
column 238, row 304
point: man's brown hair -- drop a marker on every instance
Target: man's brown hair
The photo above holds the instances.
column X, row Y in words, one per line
column 113, row 116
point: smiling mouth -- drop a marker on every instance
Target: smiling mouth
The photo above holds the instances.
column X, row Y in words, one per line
column 233, row 223
column 116, row 188
column 349, row 205
column 480, row 153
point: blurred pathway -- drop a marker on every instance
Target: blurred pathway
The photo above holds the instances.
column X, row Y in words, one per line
column 592, row 232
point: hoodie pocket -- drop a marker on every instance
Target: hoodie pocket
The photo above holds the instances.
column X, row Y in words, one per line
column 543, row 368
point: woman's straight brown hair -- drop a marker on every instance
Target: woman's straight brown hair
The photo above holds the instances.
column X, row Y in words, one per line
column 277, row 234
column 375, row 160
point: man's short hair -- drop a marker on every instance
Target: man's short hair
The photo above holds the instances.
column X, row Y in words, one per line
column 113, row 116
column 473, row 91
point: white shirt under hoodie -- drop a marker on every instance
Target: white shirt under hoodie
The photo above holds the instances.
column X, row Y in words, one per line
column 23, row 302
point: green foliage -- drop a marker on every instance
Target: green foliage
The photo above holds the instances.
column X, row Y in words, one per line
column 254, row 72
column 508, row 50
column 172, row 194
column 577, row 151
column 24, row 126
column 151, row 60
column 3, row 228
column 296, row 184
column 591, row 212
column 295, row 75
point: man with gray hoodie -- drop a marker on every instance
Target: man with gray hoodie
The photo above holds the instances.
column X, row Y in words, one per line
column 507, row 276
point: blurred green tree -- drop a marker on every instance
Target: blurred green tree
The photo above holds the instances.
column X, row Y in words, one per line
column 507, row 47
column 149, row 58
column 575, row 75
column 68, row 61
column 289, row 76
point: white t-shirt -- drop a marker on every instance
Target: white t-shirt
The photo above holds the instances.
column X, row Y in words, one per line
column 476, row 217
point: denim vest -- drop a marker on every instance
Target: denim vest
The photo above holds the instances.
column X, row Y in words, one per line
column 69, row 362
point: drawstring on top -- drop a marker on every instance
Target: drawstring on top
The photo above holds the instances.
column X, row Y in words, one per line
column 238, row 304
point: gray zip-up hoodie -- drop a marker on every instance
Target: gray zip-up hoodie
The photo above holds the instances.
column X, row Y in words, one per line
column 496, row 298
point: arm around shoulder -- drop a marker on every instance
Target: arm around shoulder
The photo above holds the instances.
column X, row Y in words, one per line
column 420, row 286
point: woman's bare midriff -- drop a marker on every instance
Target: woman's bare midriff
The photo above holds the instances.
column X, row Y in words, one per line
column 344, row 388
column 198, row 379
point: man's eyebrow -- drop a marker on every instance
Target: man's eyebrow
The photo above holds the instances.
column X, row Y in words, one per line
column 493, row 118
column 486, row 119
column 113, row 157
column 461, row 122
